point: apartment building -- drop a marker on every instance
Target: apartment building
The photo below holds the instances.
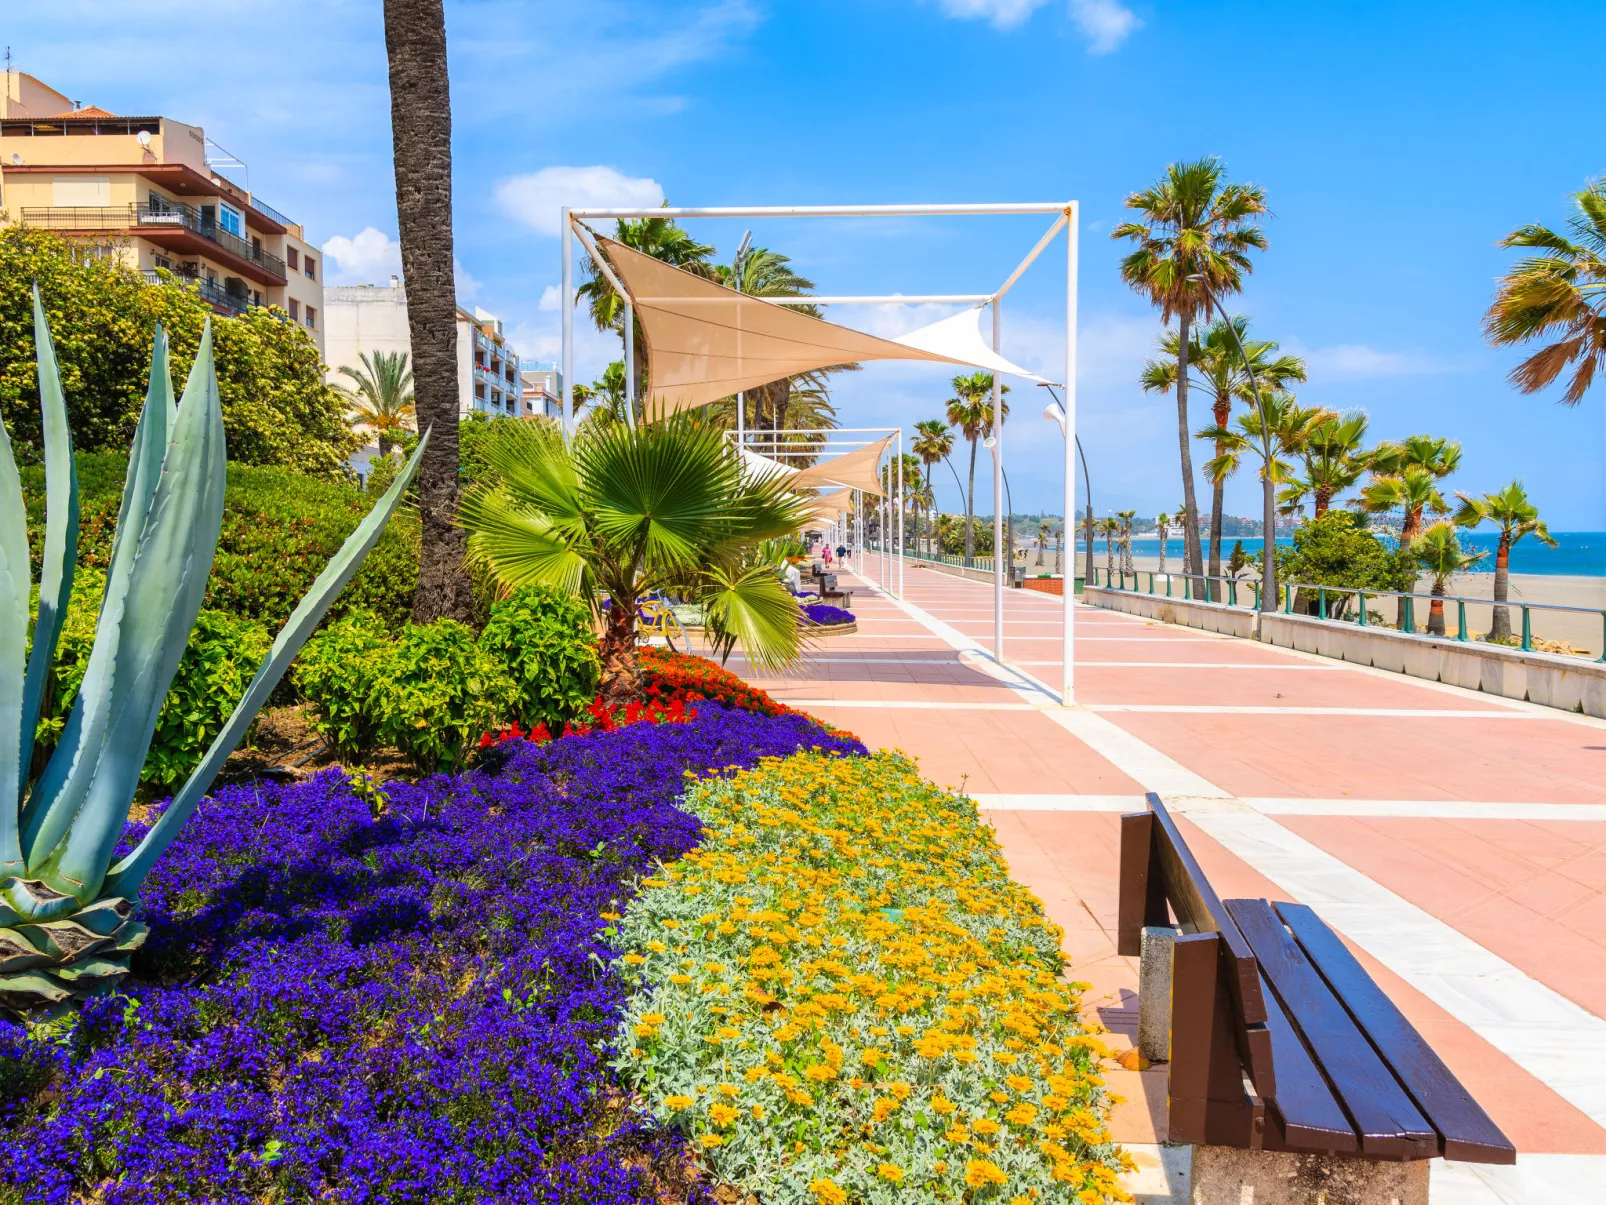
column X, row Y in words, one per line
column 370, row 318
column 543, row 390
column 144, row 190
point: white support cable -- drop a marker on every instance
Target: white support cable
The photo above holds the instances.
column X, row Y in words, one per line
column 567, row 242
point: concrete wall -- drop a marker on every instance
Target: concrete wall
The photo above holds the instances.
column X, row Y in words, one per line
column 1211, row 617
column 1570, row 683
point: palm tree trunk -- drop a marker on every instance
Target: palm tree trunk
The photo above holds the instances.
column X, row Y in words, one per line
column 639, row 350
column 621, row 680
column 1436, row 610
column 1500, row 626
column 1324, row 500
column 1194, row 558
column 970, row 509
column 421, row 127
column 1164, row 531
column 1223, row 412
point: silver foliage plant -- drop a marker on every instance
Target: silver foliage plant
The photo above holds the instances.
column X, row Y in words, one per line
column 67, row 908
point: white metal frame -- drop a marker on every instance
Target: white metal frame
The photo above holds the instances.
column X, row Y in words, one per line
column 1066, row 217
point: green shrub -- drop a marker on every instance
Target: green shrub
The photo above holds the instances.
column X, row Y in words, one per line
column 1337, row 550
column 437, row 692
column 223, row 653
column 280, row 528
column 336, row 674
column 542, row 639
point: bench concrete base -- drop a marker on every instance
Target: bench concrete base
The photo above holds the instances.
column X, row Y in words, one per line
column 1224, row 1175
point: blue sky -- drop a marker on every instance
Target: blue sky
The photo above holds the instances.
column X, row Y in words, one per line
column 1397, row 144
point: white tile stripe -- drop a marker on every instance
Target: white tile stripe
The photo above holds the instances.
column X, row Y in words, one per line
column 904, row 704
column 1432, row 809
column 1440, row 713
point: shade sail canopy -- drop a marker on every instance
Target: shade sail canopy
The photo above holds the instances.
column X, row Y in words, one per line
column 958, row 338
column 831, row 506
column 706, row 342
column 858, row 469
column 762, row 468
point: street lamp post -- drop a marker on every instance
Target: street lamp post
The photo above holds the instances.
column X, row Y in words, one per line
column 1268, row 555
column 1056, row 413
column 1009, row 527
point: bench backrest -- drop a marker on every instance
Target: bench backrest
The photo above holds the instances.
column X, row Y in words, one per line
column 1279, row 1038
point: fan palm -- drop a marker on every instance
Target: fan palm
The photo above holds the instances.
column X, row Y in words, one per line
column 933, row 442
column 1560, row 292
column 1162, row 524
column 971, row 410
column 1215, row 365
column 1334, row 460
column 381, row 395
column 1042, row 542
column 1515, row 517
column 1126, row 517
column 1109, row 528
column 1290, row 424
column 1405, row 474
column 1439, row 552
column 625, row 512
column 1193, row 240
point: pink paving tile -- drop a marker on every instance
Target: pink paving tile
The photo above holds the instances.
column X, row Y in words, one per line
column 1383, row 757
column 1263, row 688
column 1534, row 915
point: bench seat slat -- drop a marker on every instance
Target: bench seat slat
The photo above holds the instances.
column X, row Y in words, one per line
column 1468, row 1133
column 1387, row 1120
column 1304, row 1108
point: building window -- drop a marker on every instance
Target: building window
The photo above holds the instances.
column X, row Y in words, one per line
column 295, row 310
column 291, row 257
column 232, row 220
column 311, row 267
column 312, row 318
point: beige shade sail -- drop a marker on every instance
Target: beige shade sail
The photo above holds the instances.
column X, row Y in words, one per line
column 706, row 342
column 858, row 469
column 834, row 504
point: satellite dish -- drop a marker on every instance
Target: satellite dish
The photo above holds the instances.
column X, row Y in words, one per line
column 16, row 159
column 144, row 138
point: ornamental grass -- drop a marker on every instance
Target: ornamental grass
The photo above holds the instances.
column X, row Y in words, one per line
column 842, row 997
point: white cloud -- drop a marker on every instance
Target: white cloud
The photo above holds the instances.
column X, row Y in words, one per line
column 551, row 300
column 467, row 287
column 1105, row 23
column 1357, row 361
column 535, row 198
column 366, row 258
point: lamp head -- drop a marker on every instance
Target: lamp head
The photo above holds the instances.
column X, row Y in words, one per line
column 1054, row 412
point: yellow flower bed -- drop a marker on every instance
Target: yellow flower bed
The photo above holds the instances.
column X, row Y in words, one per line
column 844, row 998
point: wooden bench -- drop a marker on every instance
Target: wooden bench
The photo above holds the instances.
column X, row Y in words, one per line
column 1280, row 1040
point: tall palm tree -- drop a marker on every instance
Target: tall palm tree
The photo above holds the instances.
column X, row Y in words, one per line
column 1193, row 240
column 1215, row 365
column 664, row 240
column 971, row 410
column 1560, row 292
column 1515, row 517
column 1334, row 460
column 1109, row 528
column 1290, row 425
column 1439, row 552
column 1126, row 517
column 1405, row 474
column 381, row 395
column 627, row 511
column 1162, row 524
column 933, row 442
column 421, row 137
column 604, row 398
column 1042, row 542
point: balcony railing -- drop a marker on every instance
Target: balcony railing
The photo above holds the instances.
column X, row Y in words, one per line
column 269, row 211
column 151, row 217
column 210, row 291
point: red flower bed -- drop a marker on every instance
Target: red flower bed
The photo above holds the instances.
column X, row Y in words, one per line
column 600, row 718
column 672, row 676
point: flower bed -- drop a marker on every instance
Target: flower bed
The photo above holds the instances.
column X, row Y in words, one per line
column 669, row 675
column 825, row 615
column 391, row 994
column 842, row 996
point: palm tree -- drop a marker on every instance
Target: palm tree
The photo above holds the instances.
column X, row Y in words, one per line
column 1510, row 511
column 1059, row 548
column 1406, row 475
column 971, row 410
column 1162, row 524
column 604, row 399
column 1333, row 460
column 624, row 511
column 382, row 396
column 933, row 442
column 1290, row 425
column 421, row 138
column 1042, row 542
column 1193, row 241
column 1109, row 528
column 660, row 238
column 1215, row 365
column 1126, row 517
column 1561, row 292
column 1439, row 552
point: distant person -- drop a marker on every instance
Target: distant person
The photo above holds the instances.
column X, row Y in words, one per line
column 827, row 557
column 841, row 552
column 794, row 579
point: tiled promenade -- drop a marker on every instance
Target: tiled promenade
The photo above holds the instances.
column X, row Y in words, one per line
column 1456, row 841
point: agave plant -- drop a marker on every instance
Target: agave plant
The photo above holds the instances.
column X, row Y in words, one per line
column 67, row 904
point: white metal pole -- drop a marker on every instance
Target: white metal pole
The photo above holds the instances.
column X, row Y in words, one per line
column 902, row 501
column 567, row 242
column 741, row 427
column 998, row 497
column 630, row 364
column 1068, row 578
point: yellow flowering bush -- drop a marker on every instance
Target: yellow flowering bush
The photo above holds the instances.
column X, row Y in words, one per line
column 843, row 988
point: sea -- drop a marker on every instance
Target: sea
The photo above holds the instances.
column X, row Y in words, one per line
column 1577, row 553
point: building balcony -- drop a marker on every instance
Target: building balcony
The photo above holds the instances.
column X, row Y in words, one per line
column 210, row 291
column 180, row 228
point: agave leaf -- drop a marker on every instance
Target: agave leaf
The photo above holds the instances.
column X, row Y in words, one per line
column 16, row 580
column 125, row 878
column 60, row 789
column 61, row 534
column 166, row 584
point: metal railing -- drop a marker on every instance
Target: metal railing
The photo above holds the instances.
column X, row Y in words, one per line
column 150, row 217
column 209, row 290
column 269, row 211
column 1331, row 602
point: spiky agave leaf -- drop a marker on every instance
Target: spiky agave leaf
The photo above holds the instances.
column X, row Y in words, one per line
column 59, row 790
column 61, row 533
column 16, row 582
column 166, row 584
column 125, row 878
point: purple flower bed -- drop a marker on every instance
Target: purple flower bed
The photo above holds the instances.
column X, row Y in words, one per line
column 827, row 615
column 413, row 1008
